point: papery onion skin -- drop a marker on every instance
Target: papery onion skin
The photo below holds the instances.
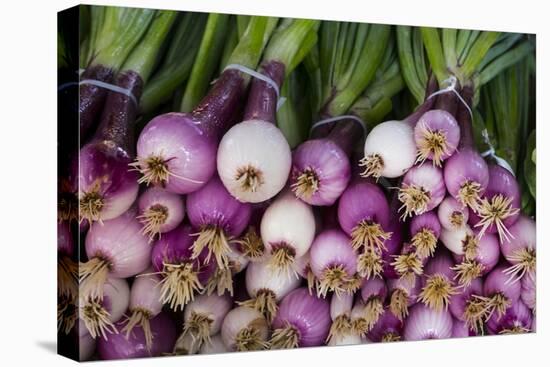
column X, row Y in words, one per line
column 156, row 197
column 120, row 242
column 258, row 145
column 517, row 319
column 307, row 313
column 330, row 165
column 119, row 347
column 426, row 323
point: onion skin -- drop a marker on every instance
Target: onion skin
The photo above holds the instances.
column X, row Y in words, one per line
column 308, row 314
column 517, row 319
column 119, row 347
column 330, row 165
column 121, row 243
column 426, row 323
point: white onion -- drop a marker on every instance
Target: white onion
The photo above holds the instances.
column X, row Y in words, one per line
column 213, row 306
column 393, row 142
column 261, row 147
column 239, row 320
column 341, row 305
column 450, row 207
column 346, row 339
column 146, row 293
column 260, row 276
column 289, row 223
column 454, row 239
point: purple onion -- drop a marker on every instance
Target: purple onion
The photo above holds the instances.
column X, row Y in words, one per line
column 466, row 176
column 99, row 315
column 250, row 244
column 529, row 290
column 438, row 282
column 404, row 293
column 467, row 305
column 499, row 292
column 115, row 248
column 118, row 346
column 389, row 328
column 144, row 303
column 334, row 263
column 303, row 320
column 373, row 294
column 452, row 214
column 320, row 172
column 481, row 255
column 427, row 323
column 461, row 329
column 393, row 246
column 500, row 205
column 178, row 150
column 422, row 189
column 520, row 251
column 67, row 269
column 218, row 217
column 160, row 211
column 182, row 275
column 407, row 263
column 516, row 320
column 436, row 135
column 425, row 230
column 86, row 347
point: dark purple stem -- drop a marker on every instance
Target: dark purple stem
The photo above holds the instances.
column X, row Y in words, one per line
column 119, row 113
column 92, row 98
column 464, row 119
column 215, row 111
column 262, row 99
column 345, row 134
column 426, row 105
column 448, row 102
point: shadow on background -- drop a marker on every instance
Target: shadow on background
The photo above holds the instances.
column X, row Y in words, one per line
column 48, row 345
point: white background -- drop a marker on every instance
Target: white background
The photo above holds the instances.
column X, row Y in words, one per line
column 28, row 181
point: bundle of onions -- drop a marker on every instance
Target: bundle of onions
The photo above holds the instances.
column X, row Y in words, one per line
column 182, row 275
column 288, row 229
column 481, row 255
column 267, row 290
column 500, row 204
column 498, row 293
column 422, row 189
column 452, row 214
column 425, row 230
column 245, row 329
column 118, row 346
column 403, row 294
column 159, row 211
column 144, row 304
column 178, row 150
column 465, row 305
column 340, row 314
column 107, row 188
column 99, row 315
column 438, row 282
column 364, row 214
column 203, row 318
column 218, row 217
column 428, row 323
column 520, row 251
column 436, row 135
column 116, row 248
column 254, row 157
column 388, row 328
column 334, row 263
column 517, row 319
column 303, row 320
